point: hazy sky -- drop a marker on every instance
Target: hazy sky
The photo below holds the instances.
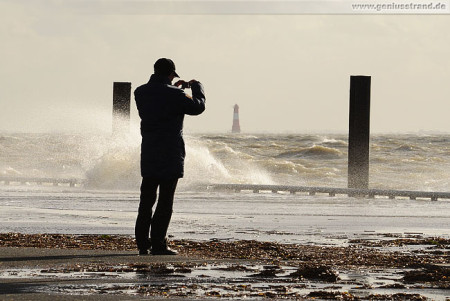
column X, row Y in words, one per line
column 288, row 73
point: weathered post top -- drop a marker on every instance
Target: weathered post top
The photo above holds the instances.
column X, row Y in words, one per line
column 121, row 108
column 359, row 132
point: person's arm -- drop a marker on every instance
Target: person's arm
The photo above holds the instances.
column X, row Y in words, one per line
column 195, row 105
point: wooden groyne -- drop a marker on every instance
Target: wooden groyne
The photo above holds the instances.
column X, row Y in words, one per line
column 351, row 192
column 41, row 181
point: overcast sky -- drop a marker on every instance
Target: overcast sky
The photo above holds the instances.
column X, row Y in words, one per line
column 288, row 73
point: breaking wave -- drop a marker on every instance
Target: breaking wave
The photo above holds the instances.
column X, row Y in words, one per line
column 313, row 151
column 397, row 162
column 119, row 167
column 407, row 148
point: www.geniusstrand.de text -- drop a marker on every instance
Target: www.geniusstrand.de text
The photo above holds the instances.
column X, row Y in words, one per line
column 430, row 7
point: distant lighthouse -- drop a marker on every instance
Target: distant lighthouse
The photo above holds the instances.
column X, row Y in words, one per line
column 236, row 127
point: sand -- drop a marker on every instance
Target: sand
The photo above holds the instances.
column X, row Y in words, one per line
column 106, row 267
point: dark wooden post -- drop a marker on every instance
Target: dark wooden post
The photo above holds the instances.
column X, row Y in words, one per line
column 359, row 132
column 121, row 108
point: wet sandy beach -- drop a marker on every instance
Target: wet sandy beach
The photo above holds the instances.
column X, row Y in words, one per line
column 91, row 267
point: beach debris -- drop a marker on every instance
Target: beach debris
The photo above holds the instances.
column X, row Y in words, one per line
column 268, row 271
column 397, row 297
column 352, row 255
column 248, row 268
column 417, row 240
column 233, row 267
column 321, row 273
column 439, row 276
column 394, row 285
column 331, row 295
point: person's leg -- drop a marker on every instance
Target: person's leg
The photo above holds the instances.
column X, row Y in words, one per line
column 163, row 213
column 144, row 218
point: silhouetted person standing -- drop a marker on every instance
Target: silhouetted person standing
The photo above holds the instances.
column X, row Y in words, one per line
column 162, row 107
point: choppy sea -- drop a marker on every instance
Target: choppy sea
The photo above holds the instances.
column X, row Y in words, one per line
column 107, row 202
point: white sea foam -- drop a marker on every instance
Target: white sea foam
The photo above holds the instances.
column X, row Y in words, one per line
column 225, row 165
column 106, row 162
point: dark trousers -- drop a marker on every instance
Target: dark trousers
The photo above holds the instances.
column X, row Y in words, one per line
column 160, row 220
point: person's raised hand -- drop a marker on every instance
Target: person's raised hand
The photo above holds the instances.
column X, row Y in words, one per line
column 183, row 84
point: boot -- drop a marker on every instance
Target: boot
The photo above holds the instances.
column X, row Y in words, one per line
column 159, row 247
column 143, row 252
column 146, row 249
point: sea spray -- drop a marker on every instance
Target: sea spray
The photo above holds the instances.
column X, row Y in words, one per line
column 117, row 166
column 202, row 167
column 117, row 169
column 208, row 161
column 104, row 162
column 113, row 163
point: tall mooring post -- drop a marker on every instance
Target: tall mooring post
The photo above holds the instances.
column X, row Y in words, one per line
column 121, row 108
column 359, row 132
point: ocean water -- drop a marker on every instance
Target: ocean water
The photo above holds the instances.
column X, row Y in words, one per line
column 107, row 202
column 414, row 162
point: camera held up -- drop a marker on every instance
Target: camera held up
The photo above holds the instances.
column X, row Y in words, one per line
column 183, row 84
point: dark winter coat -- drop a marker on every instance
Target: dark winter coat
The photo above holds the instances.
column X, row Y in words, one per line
column 162, row 108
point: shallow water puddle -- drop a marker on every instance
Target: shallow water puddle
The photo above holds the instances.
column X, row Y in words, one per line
column 229, row 281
